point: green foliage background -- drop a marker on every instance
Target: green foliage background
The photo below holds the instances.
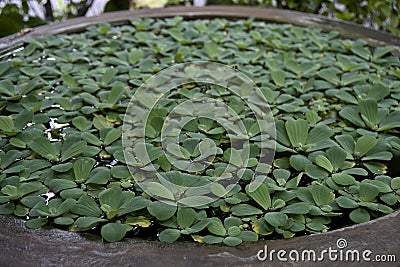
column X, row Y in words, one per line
column 378, row 14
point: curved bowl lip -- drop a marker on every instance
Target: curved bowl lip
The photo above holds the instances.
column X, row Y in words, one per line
column 55, row 247
column 346, row 29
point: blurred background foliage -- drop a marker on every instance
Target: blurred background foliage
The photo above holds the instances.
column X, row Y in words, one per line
column 16, row 15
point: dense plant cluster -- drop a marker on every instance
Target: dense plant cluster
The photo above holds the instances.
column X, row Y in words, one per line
column 335, row 104
column 377, row 14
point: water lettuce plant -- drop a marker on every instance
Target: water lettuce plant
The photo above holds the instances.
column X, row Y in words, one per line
column 335, row 104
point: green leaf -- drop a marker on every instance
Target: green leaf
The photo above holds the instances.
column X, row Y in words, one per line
column 114, row 232
column 17, row 142
column 312, row 117
column 138, row 221
column 369, row 111
column 68, row 80
column 115, row 61
column 261, row 227
column 232, row 221
column 381, row 51
column 351, row 78
column 248, row 236
column 63, row 221
column 112, row 136
column 280, row 174
column 100, row 175
column 91, row 139
column 368, row 192
column 161, row 210
column 72, row 150
column 384, row 155
column 299, row 162
column 115, row 94
column 323, row 162
column 321, row 194
column 211, row 239
column 185, row 217
column 346, row 202
column 278, row 76
column 7, row 208
column 361, row 51
column 73, row 193
column 146, row 99
column 382, row 186
column 6, row 124
column 343, row 179
column 336, row 156
column 218, row 190
column 100, row 122
column 384, row 209
column 164, row 163
column 211, row 49
column 65, row 206
column 391, row 121
column 216, row 227
column 359, row 215
column 86, row 223
column 134, row 56
column 319, row 133
column 232, row 241
column 276, row 219
column 157, row 189
column 177, row 35
column 200, row 225
column 347, row 142
column 195, row 201
column 389, row 199
column 87, row 206
column 316, row 172
column 36, row 223
column 134, row 204
column 80, row 122
column 364, row 144
column 44, row 148
column 57, row 185
column 169, row 235
column 10, row 190
column 260, row 194
column 351, row 114
column 330, row 76
column 378, row 91
column 245, row 210
column 111, row 197
column 297, row 208
column 315, row 226
column 356, row 171
column 281, row 135
column 395, row 183
column 108, row 76
column 233, row 156
column 7, row 87
column 376, row 167
column 178, row 151
column 82, row 168
column 297, row 131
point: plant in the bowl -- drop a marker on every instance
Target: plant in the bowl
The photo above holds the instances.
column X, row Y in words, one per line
column 335, row 104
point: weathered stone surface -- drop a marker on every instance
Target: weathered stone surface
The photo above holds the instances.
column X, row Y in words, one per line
column 53, row 247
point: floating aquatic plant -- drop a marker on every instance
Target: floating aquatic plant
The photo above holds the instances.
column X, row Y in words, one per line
column 335, row 103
